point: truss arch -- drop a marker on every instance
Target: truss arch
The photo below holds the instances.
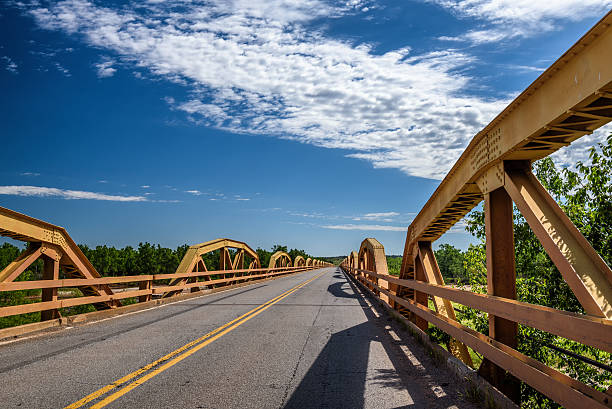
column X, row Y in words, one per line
column 192, row 261
column 56, row 248
column 280, row 259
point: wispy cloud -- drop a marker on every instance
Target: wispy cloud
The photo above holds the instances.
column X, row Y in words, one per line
column 567, row 157
column 9, row 64
column 459, row 227
column 39, row 191
column 105, row 68
column 194, row 192
column 365, row 227
column 62, row 69
column 507, row 19
column 523, row 68
column 383, row 216
column 253, row 67
column 310, row 215
column 29, row 174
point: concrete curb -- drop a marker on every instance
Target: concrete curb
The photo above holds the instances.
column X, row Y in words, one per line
column 477, row 386
column 90, row 317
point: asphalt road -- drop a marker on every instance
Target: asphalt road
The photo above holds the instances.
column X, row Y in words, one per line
column 321, row 344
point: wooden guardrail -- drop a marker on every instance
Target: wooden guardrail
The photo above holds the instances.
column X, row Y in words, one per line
column 62, row 257
column 146, row 283
column 588, row 330
column 570, row 99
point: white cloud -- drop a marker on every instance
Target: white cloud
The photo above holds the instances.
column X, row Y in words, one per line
column 253, row 68
column 29, row 174
column 10, row 65
column 145, row 186
column 524, row 68
column 459, row 227
column 311, row 215
column 105, row 68
column 38, row 191
column 379, row 215
column 508, row 19
column 194, row 192
column 62, row 69
column 567, row 157
column 383, row 216
column 366, row 227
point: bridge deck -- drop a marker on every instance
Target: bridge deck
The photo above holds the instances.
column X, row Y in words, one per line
column 320, row 346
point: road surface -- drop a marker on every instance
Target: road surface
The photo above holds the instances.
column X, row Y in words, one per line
column 308, row 340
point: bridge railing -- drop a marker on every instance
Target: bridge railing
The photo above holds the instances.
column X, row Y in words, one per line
column 570, row 99
column 148, row 285
column 591, row 331
column 63, row 258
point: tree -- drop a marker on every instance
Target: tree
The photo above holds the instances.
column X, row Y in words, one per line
column 450, row 260
column 294, row 253
column 264, row 257
column 278, row 247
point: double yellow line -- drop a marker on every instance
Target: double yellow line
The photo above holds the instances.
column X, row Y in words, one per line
column 155, row 368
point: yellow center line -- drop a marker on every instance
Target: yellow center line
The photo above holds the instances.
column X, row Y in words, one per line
column 234, row 323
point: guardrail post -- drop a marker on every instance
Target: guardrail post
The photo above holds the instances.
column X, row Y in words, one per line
column 420, row 297
column 50, row 272
column 501, row 281
column 145, row 285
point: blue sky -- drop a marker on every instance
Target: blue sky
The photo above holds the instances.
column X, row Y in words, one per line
column 310, row 123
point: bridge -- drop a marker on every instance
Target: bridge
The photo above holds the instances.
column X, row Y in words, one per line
column 303, row 333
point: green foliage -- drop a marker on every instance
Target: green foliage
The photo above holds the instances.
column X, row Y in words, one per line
column 264, row 257
column 146, row 259
column 335, row 260
column 278, row 247
column 451, row 262
column 394, row 265
column 293, row 253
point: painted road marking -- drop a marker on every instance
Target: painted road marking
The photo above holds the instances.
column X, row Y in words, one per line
column 178, row 354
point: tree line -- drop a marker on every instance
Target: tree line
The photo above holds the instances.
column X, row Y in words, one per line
column 146, row 258
column 451, row 261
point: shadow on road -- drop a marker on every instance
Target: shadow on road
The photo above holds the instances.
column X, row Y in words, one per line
column 339, row 288
column 339, row 376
